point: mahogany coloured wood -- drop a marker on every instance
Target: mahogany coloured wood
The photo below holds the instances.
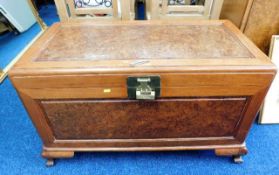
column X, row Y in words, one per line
column 262, row 23
column 258, row 19
column 234, row 11
column 130, row 119
column 208, row 41
column 212, row 86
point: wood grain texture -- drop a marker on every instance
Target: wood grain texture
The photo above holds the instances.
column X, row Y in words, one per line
column 58, row 154
column 234, row 11
column 231, row 151
column 212, row 86
column 257, row 19
column 180, row 63
column 152, row 42
column 62, row 10
column 216, row 9
column 127, row 119
column 246, row 14
column 263, row 22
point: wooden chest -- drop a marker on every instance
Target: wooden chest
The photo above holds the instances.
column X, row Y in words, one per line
column 142, row 86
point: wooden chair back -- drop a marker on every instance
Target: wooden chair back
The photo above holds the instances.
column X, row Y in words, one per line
column 184, row 9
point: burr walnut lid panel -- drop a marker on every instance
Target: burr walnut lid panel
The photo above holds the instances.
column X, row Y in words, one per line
column 123, row 42
column 141, row 46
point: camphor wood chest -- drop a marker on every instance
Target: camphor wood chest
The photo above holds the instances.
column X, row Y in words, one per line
column 142, row 86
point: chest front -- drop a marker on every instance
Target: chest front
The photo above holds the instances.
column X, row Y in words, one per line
column 142, row 86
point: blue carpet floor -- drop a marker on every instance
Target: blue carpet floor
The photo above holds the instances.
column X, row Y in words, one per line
column 11, row 44
column 20, row 148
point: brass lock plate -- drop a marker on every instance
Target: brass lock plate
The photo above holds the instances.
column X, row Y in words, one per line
column 144, row 88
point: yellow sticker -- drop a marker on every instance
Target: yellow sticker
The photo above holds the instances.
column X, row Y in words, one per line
column 107, row 90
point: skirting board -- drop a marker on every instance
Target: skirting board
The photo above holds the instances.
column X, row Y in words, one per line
column 4, row 72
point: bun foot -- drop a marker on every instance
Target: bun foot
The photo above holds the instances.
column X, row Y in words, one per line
column 51, row 155
column 50, row 162
column 236, row 153
column 238, row 159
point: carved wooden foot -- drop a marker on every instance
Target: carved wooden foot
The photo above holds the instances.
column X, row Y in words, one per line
column 50, row 162
column 51, row 155
column 237, row 153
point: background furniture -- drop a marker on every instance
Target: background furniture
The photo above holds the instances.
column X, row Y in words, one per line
column 185, row 9
column 127, row 9
column 17, row 20
column 235, row 10
column 258, row 19
column 36, row 14
column 5, row 25
column 106, row 8
column 100, row 9
column 21, row 18
column 270, row 112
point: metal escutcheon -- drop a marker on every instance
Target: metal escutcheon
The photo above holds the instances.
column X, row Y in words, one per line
column 144, row 88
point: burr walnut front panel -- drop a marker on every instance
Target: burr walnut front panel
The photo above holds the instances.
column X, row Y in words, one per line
column 131, row 119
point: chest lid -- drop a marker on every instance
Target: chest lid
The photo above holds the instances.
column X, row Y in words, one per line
column 141, row 46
